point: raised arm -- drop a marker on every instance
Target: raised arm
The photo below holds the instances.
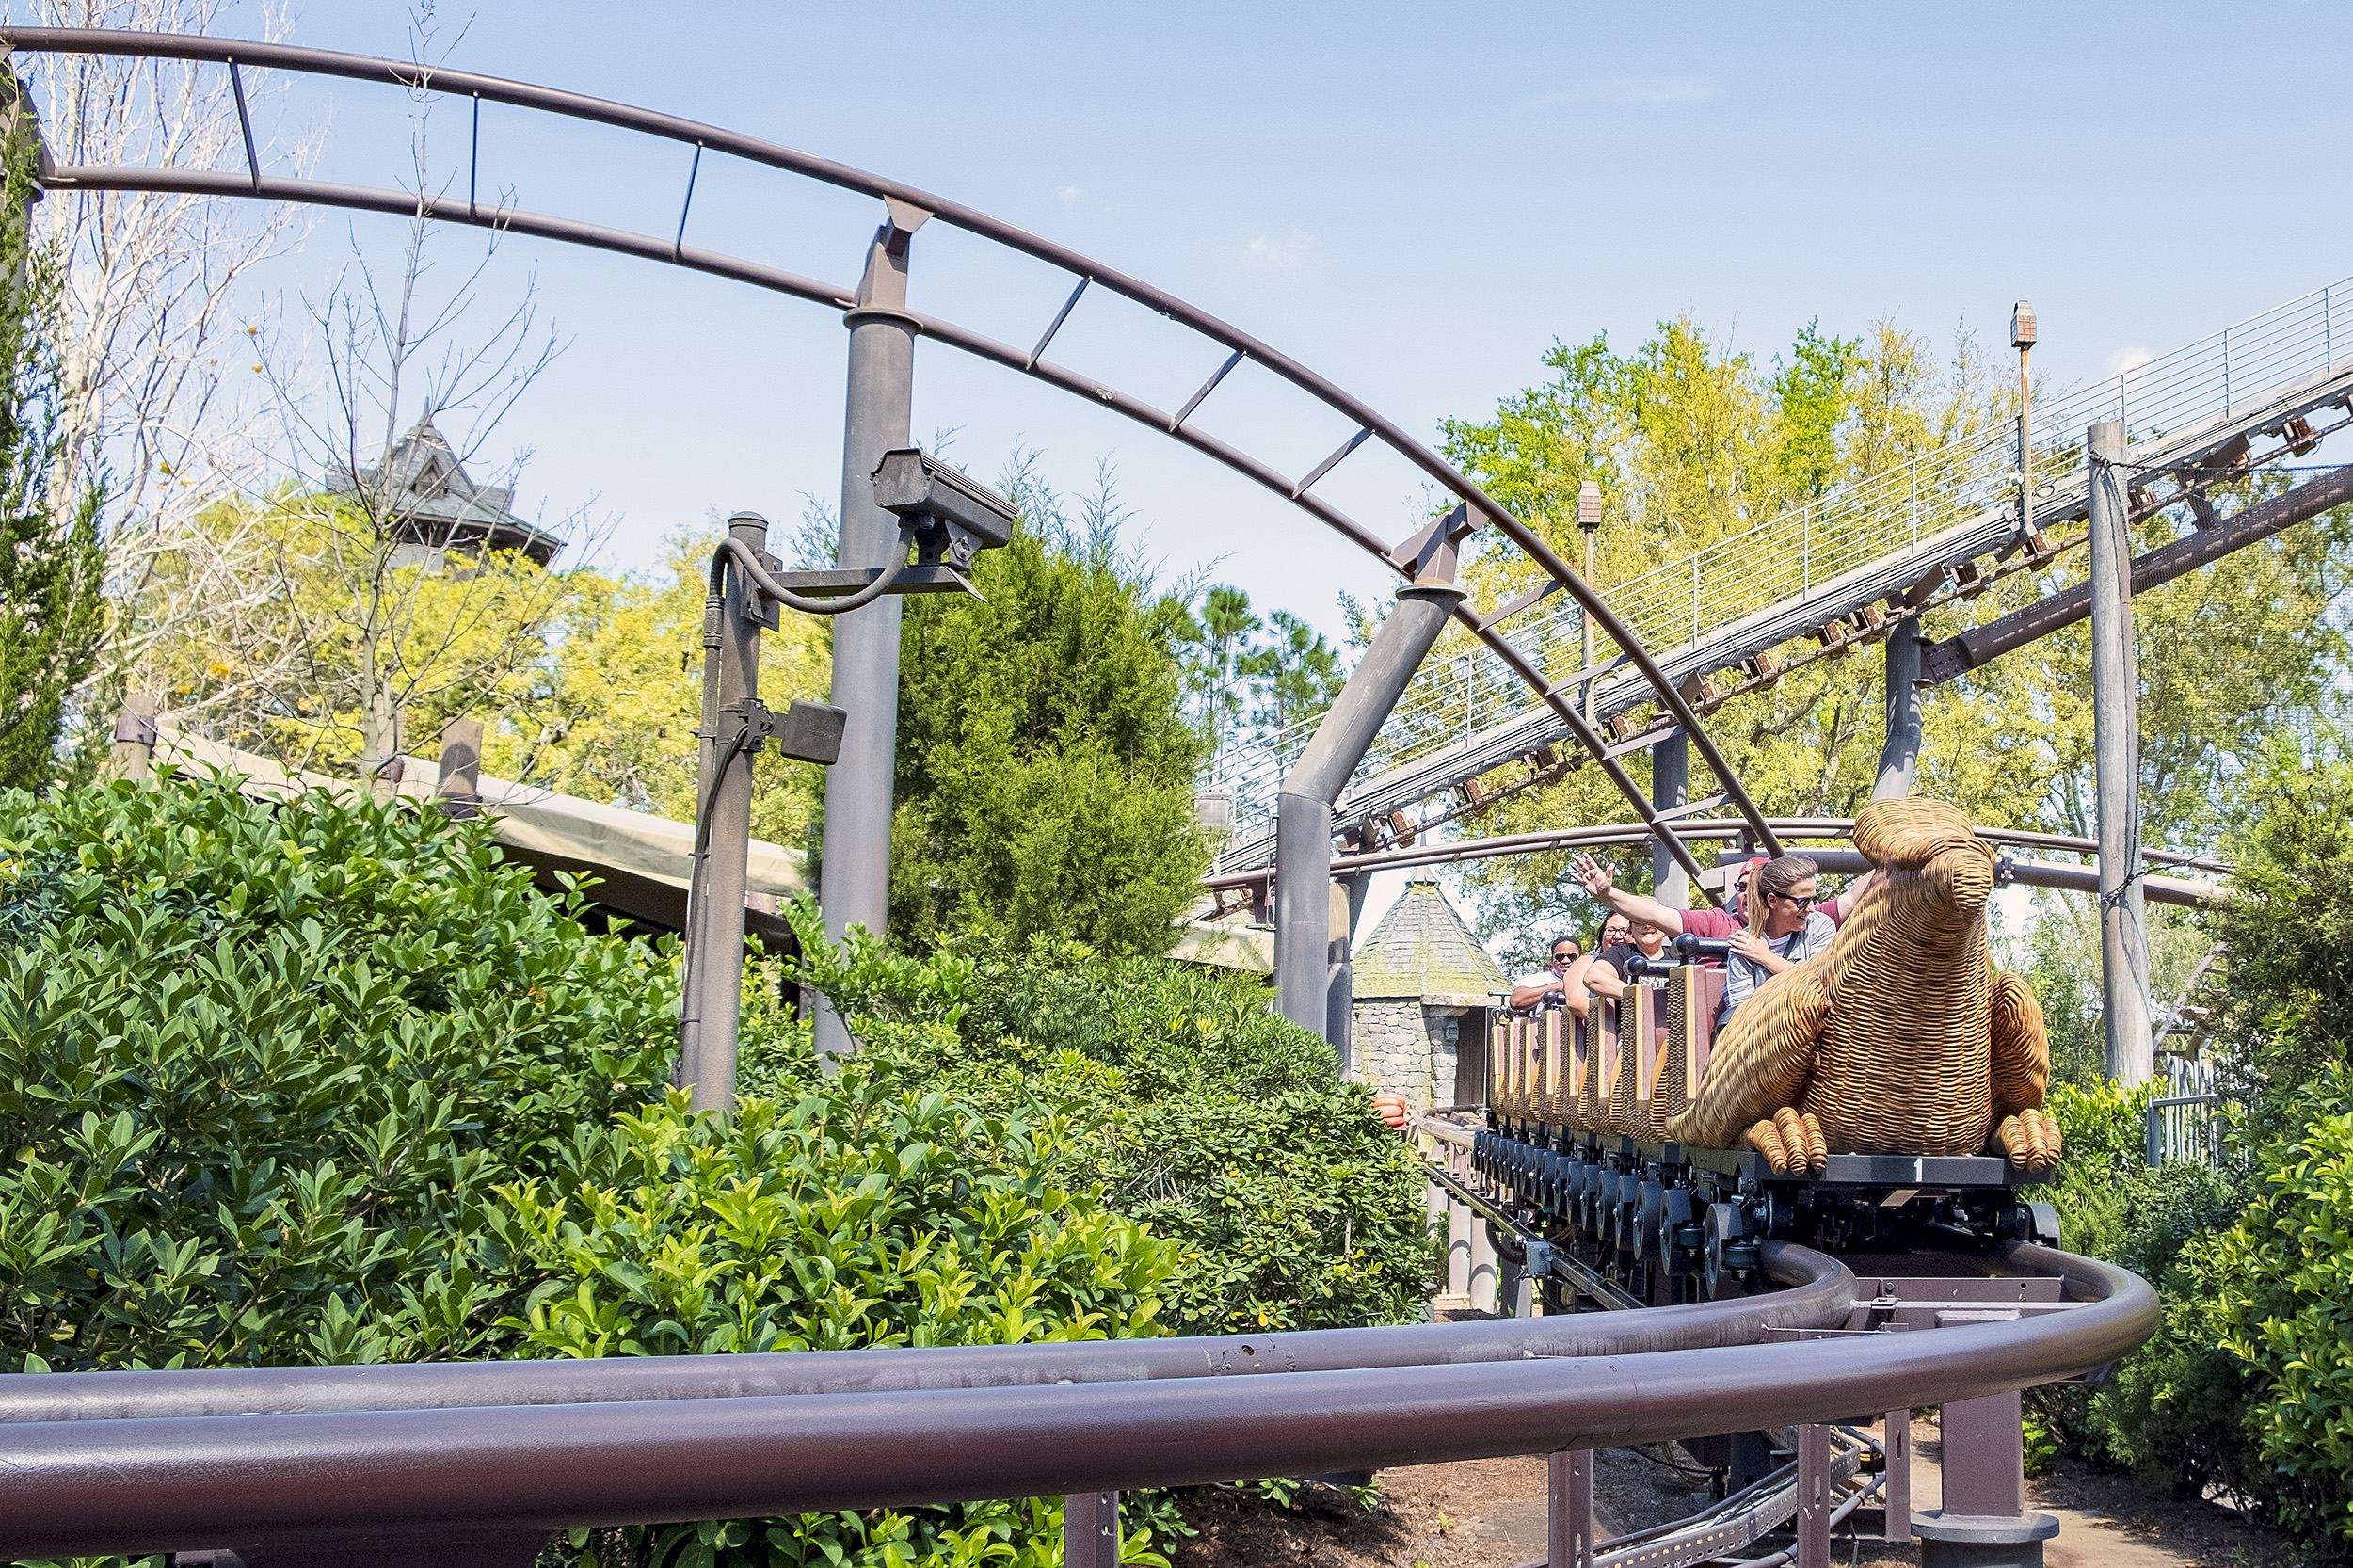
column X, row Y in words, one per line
column 1853, row 895
column 1526, row 996
column 1634, row 906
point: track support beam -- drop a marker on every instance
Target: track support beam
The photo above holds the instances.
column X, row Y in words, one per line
column 1302, row 830
column 2116, row 756
column 854, row 882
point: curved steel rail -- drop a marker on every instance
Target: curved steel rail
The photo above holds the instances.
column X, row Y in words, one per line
column 73, row 1488
column 1820, row 1289
column 909, row 201
column 2036, row 874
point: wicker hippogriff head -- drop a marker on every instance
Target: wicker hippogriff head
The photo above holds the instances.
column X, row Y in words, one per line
column 1900, row 1038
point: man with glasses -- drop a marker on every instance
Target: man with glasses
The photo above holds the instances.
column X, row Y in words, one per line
column 1562, row 976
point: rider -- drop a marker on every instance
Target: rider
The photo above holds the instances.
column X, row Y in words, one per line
column 1706, row 922
column 1562, row 976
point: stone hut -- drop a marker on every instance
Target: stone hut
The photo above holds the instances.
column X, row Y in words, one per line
column 1422, row 988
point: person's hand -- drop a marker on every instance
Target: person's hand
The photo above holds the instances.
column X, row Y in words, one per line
column 1591, row 873
column 1749, row 945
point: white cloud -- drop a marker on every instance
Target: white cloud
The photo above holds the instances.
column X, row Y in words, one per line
column 1287, row 253
column 1070, row 195
column 1656, row 91
column 2130, row 358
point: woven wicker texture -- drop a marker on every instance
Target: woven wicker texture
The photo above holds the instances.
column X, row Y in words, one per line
column 1666, row 1095
column 1887, row 1042
column 1633, row 1026
column 2021, row 1050
column 1560, row 1045
column 1905, row 1065
column 1762, row 1062
column 1543, row 1065
column 2030, row 1139
column 1592, row 1098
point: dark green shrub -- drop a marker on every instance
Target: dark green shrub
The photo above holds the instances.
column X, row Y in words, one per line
column 2280, row 1282
column 326, row 1082
column 1220, row 1124
column 260, row 1066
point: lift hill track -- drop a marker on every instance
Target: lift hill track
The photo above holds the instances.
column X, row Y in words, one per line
column 1935, row 526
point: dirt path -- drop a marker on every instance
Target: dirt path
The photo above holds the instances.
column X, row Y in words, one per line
column 1490, row 1513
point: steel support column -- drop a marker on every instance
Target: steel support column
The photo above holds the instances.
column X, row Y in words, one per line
column 1090, row 1529
column 2116, row 755
column 1670, row 786
column 1302, row 822
column 1899, row 757
column 134, row 755
column 1484, row 1294
column 1814, row 1500
column 1340, row 1012
column 1569, row 1509
column 854, row 880
column 1984, row 1522
column 1460, row 1223
column 1896, row 1495
column 712, row 990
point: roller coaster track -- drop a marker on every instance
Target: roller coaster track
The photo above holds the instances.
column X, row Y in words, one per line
column 1916, row 534
column 1430, row 549
column 482, row 1461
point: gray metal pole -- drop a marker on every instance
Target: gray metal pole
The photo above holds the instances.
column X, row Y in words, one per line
column 1670, row 786
column 2115, row 757
column 855, row 881
column 1303, row 821
column 1899, row 757
column 1340, row 1014
column 713, row 992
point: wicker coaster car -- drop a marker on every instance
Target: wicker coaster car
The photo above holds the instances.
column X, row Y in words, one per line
column 1901, row 1038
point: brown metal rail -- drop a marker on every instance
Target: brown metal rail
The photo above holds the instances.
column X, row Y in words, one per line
column 1818, row 1291
column 382, row 1480
column 252, row 183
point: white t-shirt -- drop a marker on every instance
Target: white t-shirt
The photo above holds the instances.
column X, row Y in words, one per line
column 1542, row 980
column 1742, row 976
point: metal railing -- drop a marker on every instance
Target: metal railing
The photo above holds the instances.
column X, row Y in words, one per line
column 1833, row 554
column 365, row 1464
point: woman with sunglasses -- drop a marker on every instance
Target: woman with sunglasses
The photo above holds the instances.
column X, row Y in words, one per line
column 1784, row 928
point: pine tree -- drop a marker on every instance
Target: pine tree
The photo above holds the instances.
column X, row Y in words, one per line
column 51, row 566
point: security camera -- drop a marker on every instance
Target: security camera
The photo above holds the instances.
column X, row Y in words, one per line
column 938, row 499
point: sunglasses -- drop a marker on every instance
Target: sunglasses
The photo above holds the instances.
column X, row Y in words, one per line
column 1564, row 957
column 1808, row 902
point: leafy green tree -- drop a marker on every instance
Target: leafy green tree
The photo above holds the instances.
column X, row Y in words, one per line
column 51, row 566
column 263, row 1064
column 1046, row 761
column 2286, row 1023
column 1812, row 394
column 1218, row 639
column 1293, row 676
column 1691, row 443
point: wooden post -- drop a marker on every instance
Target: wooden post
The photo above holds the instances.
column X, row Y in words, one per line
column 135, row 737
column 462, row 762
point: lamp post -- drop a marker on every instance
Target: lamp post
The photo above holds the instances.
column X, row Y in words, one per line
column 946, row 519
column 2022, row 335
column 1589, row 521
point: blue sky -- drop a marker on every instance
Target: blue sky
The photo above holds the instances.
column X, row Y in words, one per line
column 1415, row 202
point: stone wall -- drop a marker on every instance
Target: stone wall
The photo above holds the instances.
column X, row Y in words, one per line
column 1405, row 1045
